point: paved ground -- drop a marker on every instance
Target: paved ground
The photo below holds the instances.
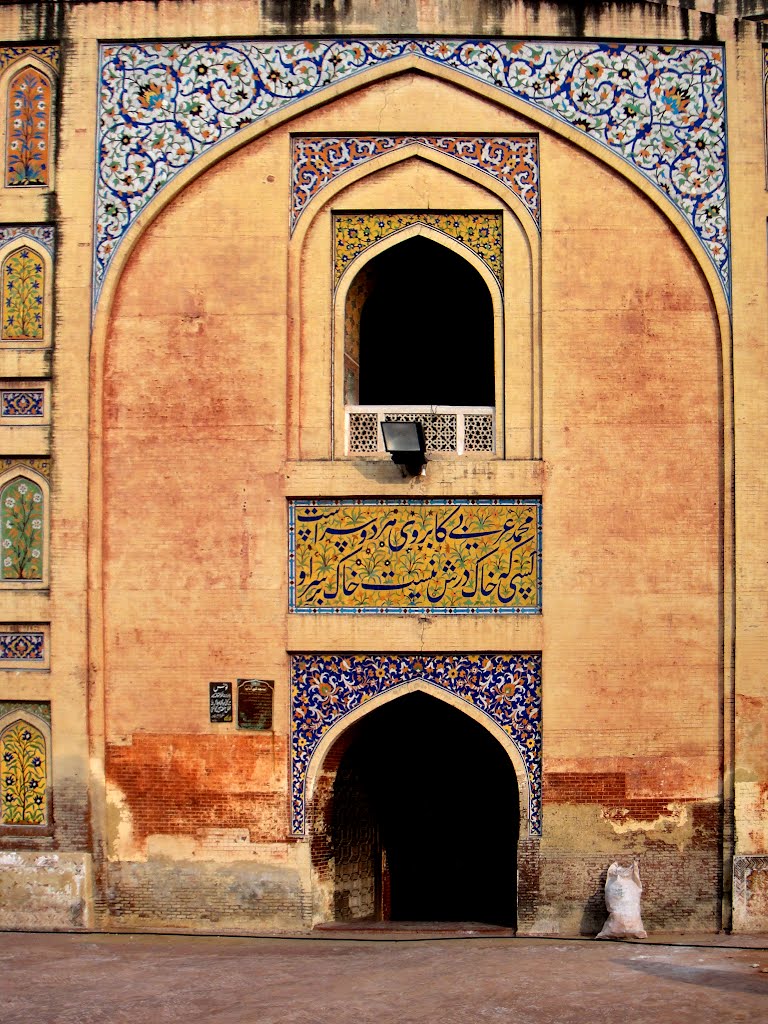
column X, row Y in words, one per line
column 112, row 979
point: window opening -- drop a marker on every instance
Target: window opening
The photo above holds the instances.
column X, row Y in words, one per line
column 426, row 329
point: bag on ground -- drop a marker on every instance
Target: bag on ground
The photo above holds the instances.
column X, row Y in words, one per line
column 622, row 898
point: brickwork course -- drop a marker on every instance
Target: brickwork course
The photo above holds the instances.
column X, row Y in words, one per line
column 541, row 229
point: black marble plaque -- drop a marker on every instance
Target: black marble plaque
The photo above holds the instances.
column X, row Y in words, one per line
column 254, row 704
column 220, row 697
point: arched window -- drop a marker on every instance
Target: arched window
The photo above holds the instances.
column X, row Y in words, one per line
column 426, row 329
column 24, row 780
column 22, row 529
column 23, row 295
column 420, row 343
column 28, row 128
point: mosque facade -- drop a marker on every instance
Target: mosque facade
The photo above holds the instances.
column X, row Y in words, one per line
column 256, row 673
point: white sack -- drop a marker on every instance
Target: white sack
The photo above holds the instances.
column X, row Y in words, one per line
column 622, row 898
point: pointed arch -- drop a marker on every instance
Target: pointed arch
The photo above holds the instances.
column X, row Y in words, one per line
column 25, row 791
column 357, row 287
column 516, row 307
column 28, row 122
column 419, row 684
column 24, row 528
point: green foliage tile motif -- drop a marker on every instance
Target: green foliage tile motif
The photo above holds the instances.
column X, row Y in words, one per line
column 21, row 530
column 23, row 765
column 437, row 555
column 480, row 232
column 23, row 296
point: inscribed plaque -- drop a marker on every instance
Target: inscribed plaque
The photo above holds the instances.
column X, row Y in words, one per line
column 254, row 704
column 437, row 555
column 220, row 702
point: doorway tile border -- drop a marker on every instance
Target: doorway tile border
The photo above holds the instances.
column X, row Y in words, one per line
column 327, row 688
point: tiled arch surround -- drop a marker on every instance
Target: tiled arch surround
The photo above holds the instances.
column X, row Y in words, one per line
column 658, row 108
column 328, row 692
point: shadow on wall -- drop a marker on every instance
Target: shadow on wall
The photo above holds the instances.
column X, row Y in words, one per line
column 595, row 913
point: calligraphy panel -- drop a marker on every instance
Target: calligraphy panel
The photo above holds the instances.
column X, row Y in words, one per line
column 436, row 555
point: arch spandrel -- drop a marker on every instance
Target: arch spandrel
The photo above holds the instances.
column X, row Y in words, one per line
column 577, row 89
column 501, row 692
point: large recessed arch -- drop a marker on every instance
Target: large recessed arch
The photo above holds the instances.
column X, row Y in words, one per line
column 96, row 505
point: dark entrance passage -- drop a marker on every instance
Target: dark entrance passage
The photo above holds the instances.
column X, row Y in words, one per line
column 424, row 818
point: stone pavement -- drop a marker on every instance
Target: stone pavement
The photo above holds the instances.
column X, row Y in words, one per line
column 157, row 979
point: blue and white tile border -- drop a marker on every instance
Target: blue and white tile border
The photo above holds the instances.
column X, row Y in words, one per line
column 327, row 689
column 659, row 107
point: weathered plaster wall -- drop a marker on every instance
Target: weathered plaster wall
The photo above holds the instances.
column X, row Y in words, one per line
column 45, row 891
column 195, row 379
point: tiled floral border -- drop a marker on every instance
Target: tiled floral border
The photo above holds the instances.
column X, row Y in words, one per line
column 318, row 160
column 661, row 108
column 326, row 688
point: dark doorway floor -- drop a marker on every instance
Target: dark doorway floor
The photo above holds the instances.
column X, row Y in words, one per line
column 443, row 795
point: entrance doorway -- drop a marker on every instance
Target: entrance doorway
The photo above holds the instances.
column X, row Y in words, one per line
column 423, row 818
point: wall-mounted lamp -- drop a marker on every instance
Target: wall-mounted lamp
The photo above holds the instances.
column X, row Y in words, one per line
column 405, row 443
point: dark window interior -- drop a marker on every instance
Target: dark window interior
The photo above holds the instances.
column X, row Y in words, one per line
column 426, row 330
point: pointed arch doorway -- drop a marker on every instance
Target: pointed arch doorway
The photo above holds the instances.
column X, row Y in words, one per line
column 416, row 816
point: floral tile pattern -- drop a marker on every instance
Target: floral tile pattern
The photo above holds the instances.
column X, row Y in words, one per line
column 480, row 232
column 22, row 647
column 23, row 295
column 43, row 234
column 41, row 466
column 22, row 403
column 46, row 54
column 28, row 128
column 436, row 555
column 317, row 160
column 23, row 772
column 326, row 688
column 659, row 107
column 21, row 529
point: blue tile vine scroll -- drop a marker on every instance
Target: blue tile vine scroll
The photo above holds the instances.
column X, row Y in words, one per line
column 506, row 688
column 659, row 107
